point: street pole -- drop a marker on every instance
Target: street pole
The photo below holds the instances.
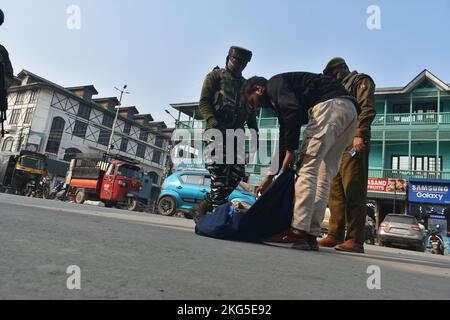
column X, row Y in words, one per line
column 122, row 92
column 177, row 122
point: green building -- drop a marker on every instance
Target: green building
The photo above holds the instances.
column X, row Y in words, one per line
column 410, row 140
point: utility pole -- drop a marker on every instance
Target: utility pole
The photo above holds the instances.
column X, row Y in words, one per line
column 122, row 92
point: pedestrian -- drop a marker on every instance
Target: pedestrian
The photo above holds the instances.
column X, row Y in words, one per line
column 348, row 198
column 300, row 98
column 223, row 108
column 6, row 79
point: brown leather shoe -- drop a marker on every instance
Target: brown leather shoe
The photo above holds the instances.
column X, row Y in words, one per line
column 329, row 242
column 350, row 246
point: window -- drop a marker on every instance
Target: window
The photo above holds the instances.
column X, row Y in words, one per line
column 33, row 96
column 153, row 177
column 56, row 132
column 418, row 107
column 159, row 142
column 8, row 144
column 103, row 137
column 141, row 150
column 84, row 111
column 124, row 145
column 419, row 163
column 28, row 116
column 127, row 128
column 71, row 154
column 108, row 120
column 143, row 135
column 156, row 156
column 15, row 115
column 20, row 98
column 192, row 179
column 80, row 129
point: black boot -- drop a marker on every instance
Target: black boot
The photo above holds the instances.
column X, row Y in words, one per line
column 201, row 209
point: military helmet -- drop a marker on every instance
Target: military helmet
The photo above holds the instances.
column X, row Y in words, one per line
column 2, row 17
column 240, row 53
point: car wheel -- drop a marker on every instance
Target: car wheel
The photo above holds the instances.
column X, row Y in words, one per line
column 167, row 206
column 80, row 197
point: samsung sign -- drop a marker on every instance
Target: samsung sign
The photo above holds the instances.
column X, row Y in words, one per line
column 429, row 191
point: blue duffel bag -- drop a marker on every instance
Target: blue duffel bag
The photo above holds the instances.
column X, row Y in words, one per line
column 271, row 214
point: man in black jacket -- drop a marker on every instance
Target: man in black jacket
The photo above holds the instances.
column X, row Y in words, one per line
column 331, row 116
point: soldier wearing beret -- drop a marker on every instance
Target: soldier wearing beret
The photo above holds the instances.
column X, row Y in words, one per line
column 349, row 189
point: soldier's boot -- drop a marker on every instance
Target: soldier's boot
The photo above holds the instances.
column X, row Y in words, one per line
column 201, row 209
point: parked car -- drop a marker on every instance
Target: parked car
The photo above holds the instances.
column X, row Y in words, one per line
column 402, row 231
column 183, row 189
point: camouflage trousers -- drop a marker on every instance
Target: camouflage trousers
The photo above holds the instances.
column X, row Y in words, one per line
column 225, row 178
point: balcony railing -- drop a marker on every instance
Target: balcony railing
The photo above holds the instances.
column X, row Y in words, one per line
column 429, row 118
column 406, row 174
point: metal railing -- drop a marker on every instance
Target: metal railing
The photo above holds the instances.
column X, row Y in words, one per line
column 408, row 174
column 429, row 118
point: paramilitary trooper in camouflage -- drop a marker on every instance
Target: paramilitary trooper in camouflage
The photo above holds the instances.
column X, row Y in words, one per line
column 349, row 189
column 223, row 108
column 4, row 59
column 6, row 79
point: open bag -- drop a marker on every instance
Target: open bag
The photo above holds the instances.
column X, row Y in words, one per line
column 271, row 214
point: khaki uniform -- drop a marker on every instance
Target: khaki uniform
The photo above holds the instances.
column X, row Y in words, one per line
column 349, row 188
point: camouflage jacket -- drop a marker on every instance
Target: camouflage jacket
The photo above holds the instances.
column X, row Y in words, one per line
column 9, row 73
column 221, row 103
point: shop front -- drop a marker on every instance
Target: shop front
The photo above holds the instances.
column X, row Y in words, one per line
column 388, row 196
column 429, row 200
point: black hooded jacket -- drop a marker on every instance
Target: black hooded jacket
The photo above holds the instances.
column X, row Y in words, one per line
column 293, row 95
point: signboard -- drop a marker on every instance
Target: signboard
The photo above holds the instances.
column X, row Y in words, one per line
column 34, row 142
column 383, row 185
column 429, row 191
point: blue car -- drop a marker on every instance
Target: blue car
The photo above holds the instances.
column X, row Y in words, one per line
column 183, row 189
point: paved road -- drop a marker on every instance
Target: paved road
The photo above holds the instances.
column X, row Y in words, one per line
column 137, row 256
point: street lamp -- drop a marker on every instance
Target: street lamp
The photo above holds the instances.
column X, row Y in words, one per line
column 177, row 122
column 122, row 92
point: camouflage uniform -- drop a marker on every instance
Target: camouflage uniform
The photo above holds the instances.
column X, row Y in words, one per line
column 349, row 188
column 6, row 80
column 222, row 107
column 9, row 73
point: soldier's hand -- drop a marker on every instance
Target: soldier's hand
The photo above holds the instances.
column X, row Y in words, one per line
column 359, row 145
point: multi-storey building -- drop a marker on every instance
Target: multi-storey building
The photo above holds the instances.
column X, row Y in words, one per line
column 410, row 146
column 62, row 122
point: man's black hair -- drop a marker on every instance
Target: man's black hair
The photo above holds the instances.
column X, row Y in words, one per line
column 251, row 84
column 2, row 17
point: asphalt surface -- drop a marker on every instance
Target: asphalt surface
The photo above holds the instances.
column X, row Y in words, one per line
column 125, row 255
